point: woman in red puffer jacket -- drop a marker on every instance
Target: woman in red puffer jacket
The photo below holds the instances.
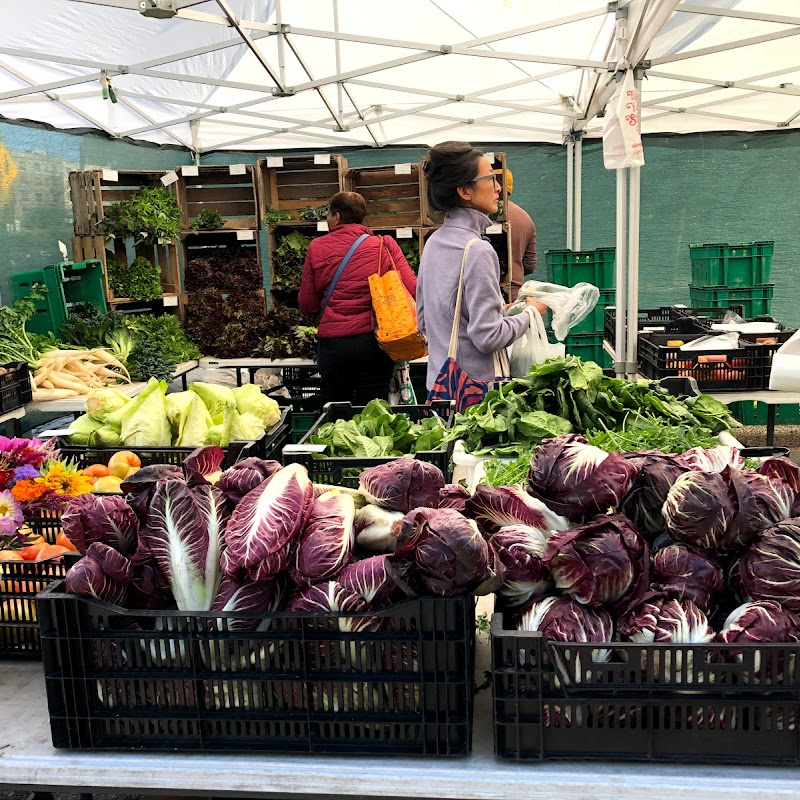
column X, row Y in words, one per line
column 353, row 366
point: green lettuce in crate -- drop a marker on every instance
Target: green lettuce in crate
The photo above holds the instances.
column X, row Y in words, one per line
column 378, row 432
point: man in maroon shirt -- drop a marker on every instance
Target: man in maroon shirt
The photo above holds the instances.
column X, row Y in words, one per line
column 523, row 237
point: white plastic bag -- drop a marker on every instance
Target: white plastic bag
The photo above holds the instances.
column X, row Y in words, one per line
column 724, row 341
column 569, row 304
column 622, row 137
column 533, row 347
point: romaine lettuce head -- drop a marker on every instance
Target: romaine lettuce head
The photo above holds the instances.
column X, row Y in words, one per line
column 578, row 480
column 217, row 399
column 188, row 418
column 603, row 562
column 102, row 402
column 251, row 400
column 402, row 484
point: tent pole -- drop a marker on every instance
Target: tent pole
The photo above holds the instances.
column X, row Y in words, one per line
column 578, row 189
column 339, row 85
column 281, row 52
column 570, row 190
column 620, row 278
column 633, row 257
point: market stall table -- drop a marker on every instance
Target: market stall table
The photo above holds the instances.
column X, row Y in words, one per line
column 13, row 417
column 772, row 399
column 29, row 762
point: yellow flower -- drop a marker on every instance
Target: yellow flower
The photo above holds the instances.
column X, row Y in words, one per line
column 64, row 479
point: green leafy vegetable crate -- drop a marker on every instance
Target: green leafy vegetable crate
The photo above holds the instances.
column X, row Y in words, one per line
column 568, row 267
column 382, row 434
column 743, row 264
column 229, row 192
column 755, row 300
column 643, row 702
column 67, row 284
column 283, row 682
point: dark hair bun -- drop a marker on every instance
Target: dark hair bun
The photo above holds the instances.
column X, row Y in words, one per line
column 448, row 166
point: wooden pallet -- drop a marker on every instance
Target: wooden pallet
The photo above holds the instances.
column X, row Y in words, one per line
column 164, row 255
column 394, row 199
column 91, row 193
column 300, row 183
column 215, row 188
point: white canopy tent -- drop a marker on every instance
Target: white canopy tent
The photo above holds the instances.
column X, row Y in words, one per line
column 271, row 75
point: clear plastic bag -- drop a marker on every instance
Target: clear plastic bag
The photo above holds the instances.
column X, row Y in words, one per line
column 533, row 347
column 570, row 305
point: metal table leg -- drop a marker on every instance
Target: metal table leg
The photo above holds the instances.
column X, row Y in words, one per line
column 771, row 409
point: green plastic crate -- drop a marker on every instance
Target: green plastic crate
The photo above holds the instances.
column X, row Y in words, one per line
column 302, row 422
column 67, row 284
column 754, row 413
column 743, row 264
column 568, row 267
column 755, row 300
column 594, row 323
column 588, row 347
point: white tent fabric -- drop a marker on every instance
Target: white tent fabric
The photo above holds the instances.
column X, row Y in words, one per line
column 258, row 74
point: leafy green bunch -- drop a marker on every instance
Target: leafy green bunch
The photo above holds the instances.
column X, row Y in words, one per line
column 288, row 260
column 209, row 220
column 139, row 280
column 272, row 216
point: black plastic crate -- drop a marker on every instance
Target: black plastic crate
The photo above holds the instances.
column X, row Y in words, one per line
column 15, row 386
column 741, row 369
column 715, row 703
column 345, row 471
column 670, row 318
column 44, row 523
column 20, row 582
column 764, row 353
column 392, row 682
column 269, row 445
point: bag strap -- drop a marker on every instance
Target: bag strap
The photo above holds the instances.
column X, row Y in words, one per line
column 452, row 350
column 339, row 271
column 380, row 257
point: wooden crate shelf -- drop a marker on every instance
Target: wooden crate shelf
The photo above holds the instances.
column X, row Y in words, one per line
column 234, row 197
column 300, row 183
column 213, row 244
column 394, row 199
column 91, row 193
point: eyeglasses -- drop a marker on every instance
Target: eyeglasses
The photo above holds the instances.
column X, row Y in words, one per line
column 491, row 176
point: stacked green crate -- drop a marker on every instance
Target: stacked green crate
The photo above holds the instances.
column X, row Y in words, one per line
column 725, row 274
column 568, row 267
column 754, row 413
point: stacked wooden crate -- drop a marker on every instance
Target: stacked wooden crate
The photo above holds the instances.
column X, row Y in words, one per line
column 92, row 191
column 298, row 188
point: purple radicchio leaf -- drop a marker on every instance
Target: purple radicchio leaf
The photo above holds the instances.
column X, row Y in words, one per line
column 453, row 495
column 90, row 518
column 450, row 555
column 325, row 545
column 203, row 466
column 186, row 529
column 244, row 476
column 712, row 459
column 761, row 621
column 683, row 572
column 331, row 598
column 789, row 472
column 606, row 561
column 378, row 579
column 577, row 480
column 247, row 598
column 88, row 578
column 266, row 522
column 402, row 484
column 140, row 486
column 521, row 549
column 493, row 507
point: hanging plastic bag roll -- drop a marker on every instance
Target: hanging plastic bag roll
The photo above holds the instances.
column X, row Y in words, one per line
column 569, row 304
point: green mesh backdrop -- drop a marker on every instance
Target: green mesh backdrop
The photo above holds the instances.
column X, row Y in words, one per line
column 699, row 188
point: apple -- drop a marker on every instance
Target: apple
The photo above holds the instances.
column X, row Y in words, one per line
column 121, row 463
column 110, row 483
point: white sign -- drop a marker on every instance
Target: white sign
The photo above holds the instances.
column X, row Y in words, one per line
column 490, row 156
column 274, row 161
column 238, row 169
column 496, row 228
column 304, row 448
column 404, row 233
column 170, row 300
column 169, row 178
column 190, row 171
column 245, row 236
column 110, row 175
column 322, row 226
column 402, row 169
column 322, row 158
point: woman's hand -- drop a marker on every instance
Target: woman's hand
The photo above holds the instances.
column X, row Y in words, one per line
column 539, row 305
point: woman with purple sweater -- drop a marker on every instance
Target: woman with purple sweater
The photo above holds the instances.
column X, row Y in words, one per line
column 462, row 184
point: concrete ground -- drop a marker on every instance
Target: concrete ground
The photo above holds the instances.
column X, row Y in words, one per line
column 785, row 436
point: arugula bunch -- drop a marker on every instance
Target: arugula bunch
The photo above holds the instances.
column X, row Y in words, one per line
column 567, row 395
column 377, row 432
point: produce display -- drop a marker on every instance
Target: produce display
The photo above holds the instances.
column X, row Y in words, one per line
column 287, row 261
column 68, row 373
column 107, row 478
column 261, row 537
column 287, row 333
column 377, row 431
column 567, row 395
column 139, row 280
column 225, row 326
column 150, row 215
column 233, row 269
column 205, row 414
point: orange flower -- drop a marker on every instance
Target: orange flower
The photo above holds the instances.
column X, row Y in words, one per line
column 28, row 491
